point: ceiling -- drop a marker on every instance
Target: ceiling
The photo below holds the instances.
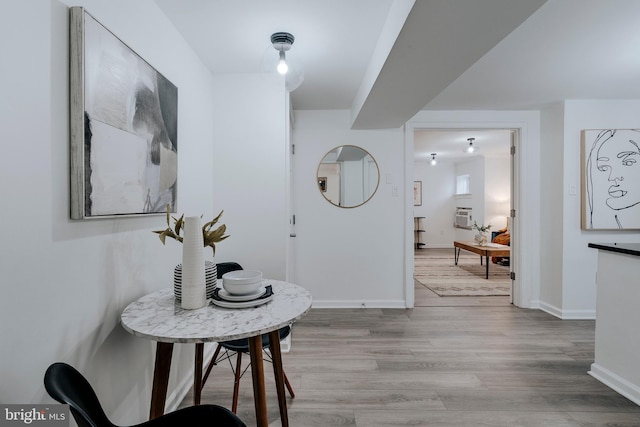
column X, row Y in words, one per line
column 449, row 145
column 332, row 40
column 385, row 60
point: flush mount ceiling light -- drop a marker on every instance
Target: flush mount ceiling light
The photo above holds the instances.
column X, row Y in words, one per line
column 470, row 149
column 282, row 42
column 292, row 71
column 433, row 159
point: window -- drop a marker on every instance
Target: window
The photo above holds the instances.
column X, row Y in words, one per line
column 462, row 184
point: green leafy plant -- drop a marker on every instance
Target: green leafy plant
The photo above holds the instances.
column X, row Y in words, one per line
column 481, row 228
column 210, row 236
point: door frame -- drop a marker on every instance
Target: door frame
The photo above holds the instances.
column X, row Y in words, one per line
column 525, row 289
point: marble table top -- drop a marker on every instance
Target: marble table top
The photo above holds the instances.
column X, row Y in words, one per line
column 158, row 317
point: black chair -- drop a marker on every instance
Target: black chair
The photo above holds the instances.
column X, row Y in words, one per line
column 240, row 347
column 225, row 267
column 66, row 385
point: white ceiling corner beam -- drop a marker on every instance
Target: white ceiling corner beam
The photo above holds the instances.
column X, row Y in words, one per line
column 440, row 40
column 398, row 14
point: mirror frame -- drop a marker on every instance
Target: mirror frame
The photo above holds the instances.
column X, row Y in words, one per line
column 318, row 177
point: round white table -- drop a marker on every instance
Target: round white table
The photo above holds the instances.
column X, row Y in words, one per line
column 158, row 317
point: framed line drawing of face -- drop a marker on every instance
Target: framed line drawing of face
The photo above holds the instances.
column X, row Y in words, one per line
column 610, row 179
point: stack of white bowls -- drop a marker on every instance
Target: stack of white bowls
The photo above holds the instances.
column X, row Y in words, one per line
column 242, row 282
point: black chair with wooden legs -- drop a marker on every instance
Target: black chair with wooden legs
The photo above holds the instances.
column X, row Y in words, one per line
column 240, row 347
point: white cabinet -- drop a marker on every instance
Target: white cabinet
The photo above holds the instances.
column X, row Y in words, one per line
column 617, row 340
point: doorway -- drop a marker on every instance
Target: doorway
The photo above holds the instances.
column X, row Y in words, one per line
column 493, row 202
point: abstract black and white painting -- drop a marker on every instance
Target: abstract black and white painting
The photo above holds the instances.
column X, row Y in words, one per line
column 610, row 179
column 124, row 117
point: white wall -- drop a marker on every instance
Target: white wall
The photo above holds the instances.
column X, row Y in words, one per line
column 578, row 261
column 497, row 187
column 66, row 282
column 250, row 170
column 490, row 179
column 474, row 167
column 551, row 209
column 438, row 204
column 348, row 257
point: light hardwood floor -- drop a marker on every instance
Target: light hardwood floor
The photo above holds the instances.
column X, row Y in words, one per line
column 455, row 361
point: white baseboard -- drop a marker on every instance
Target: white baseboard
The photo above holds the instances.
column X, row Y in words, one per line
column 359, row 304
column 578, row 314
column 178, row 394
column 552, row 310
column 567, row 314
column 175, row 398
column 616, row 383
column 438, row 246
column 531, row 304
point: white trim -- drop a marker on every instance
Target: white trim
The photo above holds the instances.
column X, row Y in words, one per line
column 551, row 309
column 409, row 293
column 566, row 314
column 179, row 393
column 526, row 226
column 438, row 246
column 615, row 382
column 578, row 315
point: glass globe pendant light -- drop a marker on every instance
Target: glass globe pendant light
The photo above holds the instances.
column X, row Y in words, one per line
column 291, row 70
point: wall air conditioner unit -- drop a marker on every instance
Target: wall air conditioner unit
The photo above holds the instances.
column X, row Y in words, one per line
column 463, row 218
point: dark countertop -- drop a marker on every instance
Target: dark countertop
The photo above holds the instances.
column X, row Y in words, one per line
column 623, row 248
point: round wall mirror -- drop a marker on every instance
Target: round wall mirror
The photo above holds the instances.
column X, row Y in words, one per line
column 348, row 176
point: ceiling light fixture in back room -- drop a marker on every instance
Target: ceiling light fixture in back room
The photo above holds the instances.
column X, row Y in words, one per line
column 470, row 149
column 289, row 67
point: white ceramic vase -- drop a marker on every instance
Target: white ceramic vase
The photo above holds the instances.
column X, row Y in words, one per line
column 481, row 239
column 193, row 276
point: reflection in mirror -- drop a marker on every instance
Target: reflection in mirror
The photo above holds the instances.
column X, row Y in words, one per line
column 348, row 176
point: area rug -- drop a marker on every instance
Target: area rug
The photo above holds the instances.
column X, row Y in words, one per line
column 440, row 274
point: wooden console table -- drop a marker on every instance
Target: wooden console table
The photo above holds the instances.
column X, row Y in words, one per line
column 486, row 251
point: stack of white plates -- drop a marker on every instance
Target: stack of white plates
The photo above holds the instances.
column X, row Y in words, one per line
column 242, row 289
column 222, row 298
column 211, row 272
